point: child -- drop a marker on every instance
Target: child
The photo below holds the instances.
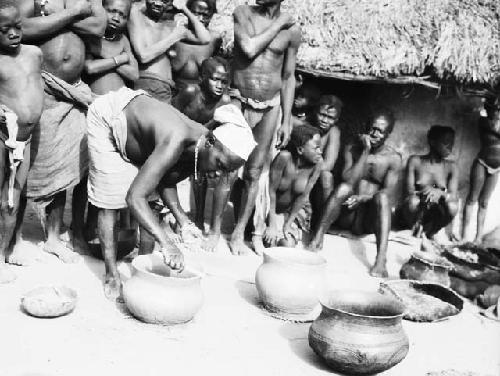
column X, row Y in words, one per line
column 293, row 174
column 484, row 172
column 21, row 100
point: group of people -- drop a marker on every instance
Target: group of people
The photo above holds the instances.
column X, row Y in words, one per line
column 119, row 100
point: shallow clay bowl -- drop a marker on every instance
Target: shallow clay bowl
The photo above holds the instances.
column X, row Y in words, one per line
column 127, row 240
column 49, row 301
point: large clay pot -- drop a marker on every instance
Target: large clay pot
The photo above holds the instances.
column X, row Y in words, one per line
column 427, row 268
column 289, row 281
column 156, row 294
column 359, row 332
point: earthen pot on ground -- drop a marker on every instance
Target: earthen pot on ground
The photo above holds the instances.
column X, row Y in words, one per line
column 359, row 332
column 427, row 267
column 156, row 294
column 289, row 281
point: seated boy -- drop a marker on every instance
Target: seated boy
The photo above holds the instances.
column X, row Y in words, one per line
column 21, row 104
column 293, row 174
column 432, row 184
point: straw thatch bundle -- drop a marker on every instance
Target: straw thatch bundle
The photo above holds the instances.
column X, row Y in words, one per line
column 458, row 39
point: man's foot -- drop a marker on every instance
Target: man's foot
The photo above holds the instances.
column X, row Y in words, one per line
column 113, row 289
column 24, row 254
column 6, row 275
column 58, row 248
column 258, row 244
column 379, row 271
column 79, row 244
column 237, row 246
column 315, row 245
column 210, row 245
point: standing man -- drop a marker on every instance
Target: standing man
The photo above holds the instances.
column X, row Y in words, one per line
column 265, row 49
column 153, row 32
column 110, row 63
column 362, row 202
column 59, row 147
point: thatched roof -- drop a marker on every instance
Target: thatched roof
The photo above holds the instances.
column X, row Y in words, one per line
column 392, row 39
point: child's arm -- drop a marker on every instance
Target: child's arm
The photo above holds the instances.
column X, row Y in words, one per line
column 129, row 70
column 276, row 174
column 97, row 65
column 300, row 200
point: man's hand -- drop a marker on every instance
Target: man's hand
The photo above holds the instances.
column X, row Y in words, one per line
column 271, row 235
column 283, row 136
column 179, row 4
column 83, row 8
column 365, row 142
column 286, row 20
column 287, row 230
column 355, row 200
column 173, row 257
column 432, row 195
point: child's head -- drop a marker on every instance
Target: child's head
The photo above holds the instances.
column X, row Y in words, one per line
column 202, row 9
column 305, row 143
column 306, row 97
column 118, row 12
column 441, row 140
column 214, row 76
column 11, row 31
column 327, row 112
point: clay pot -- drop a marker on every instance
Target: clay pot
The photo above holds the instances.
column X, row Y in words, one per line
column 359, row 332
column 427, row 268
column 156, row 294
column 289, row 280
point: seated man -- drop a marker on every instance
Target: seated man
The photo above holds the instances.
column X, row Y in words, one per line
column 293, row 175
column 431, row 184
column 485, row 169
column 361, row 203
column 325, row 118
column 139, row 145
column 110, row 63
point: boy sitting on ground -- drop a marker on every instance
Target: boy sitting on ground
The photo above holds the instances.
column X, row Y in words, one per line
column 293, row 174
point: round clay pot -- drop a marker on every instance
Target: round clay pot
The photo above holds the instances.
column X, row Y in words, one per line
column 427, row 268
column 156, row 294
column 289, row 281
column 359, row 332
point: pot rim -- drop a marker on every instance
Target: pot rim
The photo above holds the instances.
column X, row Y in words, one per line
column 274, row 253
column 400, row 306
column 140, row 264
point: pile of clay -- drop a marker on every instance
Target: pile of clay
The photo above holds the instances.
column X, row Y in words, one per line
column 49, row 301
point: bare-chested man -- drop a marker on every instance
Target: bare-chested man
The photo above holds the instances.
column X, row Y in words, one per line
column 432, row 184
column 110, row 63
column 188, row 57
column 59, row 162
column 485, row 169
column 361, row 203
column 139, row 145
column 293, row 174
column 21, row 103
column 153, row 32
column 266, row 41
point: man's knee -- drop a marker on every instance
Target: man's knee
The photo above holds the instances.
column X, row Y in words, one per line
column 381, row 199
column 413, row 203
column 452, row 208
column 252, row 173
column 344, row 190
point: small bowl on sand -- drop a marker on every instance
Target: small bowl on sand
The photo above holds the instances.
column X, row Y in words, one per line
column 49, row 301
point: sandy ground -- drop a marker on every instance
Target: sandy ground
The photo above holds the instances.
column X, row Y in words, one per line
column 231, row 335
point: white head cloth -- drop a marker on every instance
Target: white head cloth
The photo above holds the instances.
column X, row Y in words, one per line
column 234, row 132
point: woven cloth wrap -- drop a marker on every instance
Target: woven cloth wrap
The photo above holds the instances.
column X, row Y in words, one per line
column 234, row 131
column 110, row 171
column 59, row 157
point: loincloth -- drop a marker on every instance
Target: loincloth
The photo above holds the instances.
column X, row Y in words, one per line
column 59, row 158
column 110, row 171
column 157, row 87
column 16, row 150
column 301, row 225
column 490, row 170
column 255, row 104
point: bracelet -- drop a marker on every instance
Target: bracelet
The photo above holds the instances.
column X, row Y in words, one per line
column 116, row 61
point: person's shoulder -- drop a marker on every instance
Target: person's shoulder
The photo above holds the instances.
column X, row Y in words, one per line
column 296, row 34
column 394, row 156
column 283, row 158
column 31, row 49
